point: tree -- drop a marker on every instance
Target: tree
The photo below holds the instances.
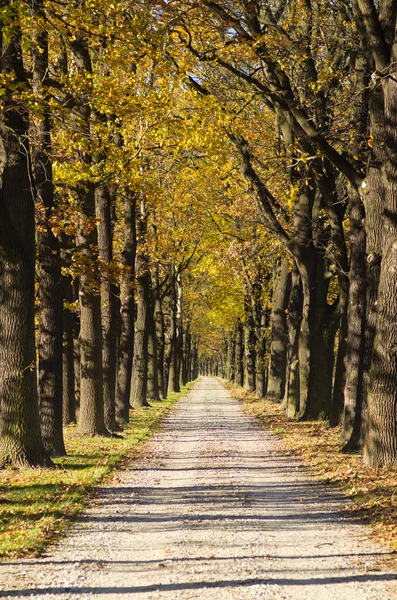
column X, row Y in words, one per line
column 20, row 438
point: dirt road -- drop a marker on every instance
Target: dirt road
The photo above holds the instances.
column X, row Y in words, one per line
column 214, row 509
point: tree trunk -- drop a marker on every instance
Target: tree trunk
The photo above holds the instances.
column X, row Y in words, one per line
column 50, row 336
column 381, row 437
column 249, row 355
column 173, row 379
column 230, row 358
column 239, row 353
column 20, row 438
column 91, row 414
column 352, row 416
column 186, row 354
column 108, row 305
column 76, row 360
column 291, row 397
column 279, row 331
column 141, row 336
column 127, row 303
column 160, row 338
column 69, row 403
column 153, row 382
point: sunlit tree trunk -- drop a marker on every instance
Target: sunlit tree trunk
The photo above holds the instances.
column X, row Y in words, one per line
column 279, row 332
column 108, row 305
column 141, row 335
column 91, row 413
column 127, row 302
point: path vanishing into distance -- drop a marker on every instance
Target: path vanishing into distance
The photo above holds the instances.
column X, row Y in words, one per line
column 213, row 509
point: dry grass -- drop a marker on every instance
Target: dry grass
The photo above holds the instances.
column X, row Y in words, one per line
column 374, row 491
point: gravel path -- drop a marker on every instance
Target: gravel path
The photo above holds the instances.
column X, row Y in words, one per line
column 214, row 509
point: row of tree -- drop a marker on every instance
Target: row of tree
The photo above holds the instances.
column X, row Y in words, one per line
column 323, row 74
column 91, row 286
column 188, row 183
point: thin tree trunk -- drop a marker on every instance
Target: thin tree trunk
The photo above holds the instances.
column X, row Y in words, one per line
column 153, row 382
column 76, row 360
column 249, row 355
column 160, row 338
column 291, row 397
column 239, row 353
column 140, row 360
column 127, row 302
column 69, row 403
column 173, row 379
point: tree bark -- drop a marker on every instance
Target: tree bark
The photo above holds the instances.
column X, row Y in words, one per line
column 160, row 337
column 279, row 331
column 239, row 354
column 153, row 382
column 50, row 336
column 249, row 354
column 20, row 437
column 141, row 335
column 108, row 305
column 69, row 402
column 91, row 413
column 381, row 437
column 291, row 397
column 127, row 304
column 352, row 416
column 173, row 379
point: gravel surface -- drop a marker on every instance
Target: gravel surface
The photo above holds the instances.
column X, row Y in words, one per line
column 214, row 508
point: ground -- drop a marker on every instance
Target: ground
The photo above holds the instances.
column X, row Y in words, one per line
column 214, row 508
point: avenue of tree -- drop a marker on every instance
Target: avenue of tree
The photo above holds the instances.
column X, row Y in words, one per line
column 195, row 187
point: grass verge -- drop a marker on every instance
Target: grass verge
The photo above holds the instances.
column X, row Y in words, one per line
column 374, row 491
column 37, row 505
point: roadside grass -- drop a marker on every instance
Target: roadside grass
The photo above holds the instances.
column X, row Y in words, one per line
column 37, row 505
column 373, row 491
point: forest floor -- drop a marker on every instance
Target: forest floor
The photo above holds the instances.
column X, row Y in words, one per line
column 215, row 507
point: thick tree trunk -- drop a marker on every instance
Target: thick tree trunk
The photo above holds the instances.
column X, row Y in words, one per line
column 91, row 414
column 127, row 303
column 279, row 331
column 49, row 265
column 20, row 437
column 381, row 436
column 352, row 416
column 108, row 305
